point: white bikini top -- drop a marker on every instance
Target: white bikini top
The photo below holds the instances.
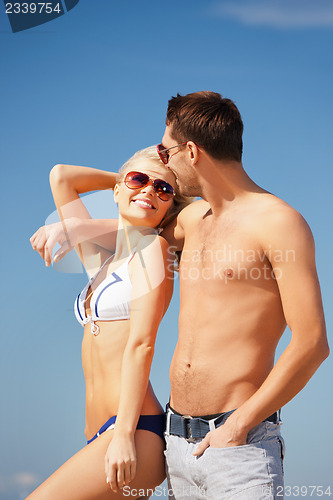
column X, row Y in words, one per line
column 110, row 301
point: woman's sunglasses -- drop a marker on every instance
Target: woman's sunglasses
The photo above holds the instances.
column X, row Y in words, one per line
column 163, row 152
column 139, row 180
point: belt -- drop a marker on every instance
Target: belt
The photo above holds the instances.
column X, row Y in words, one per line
column 192, row 428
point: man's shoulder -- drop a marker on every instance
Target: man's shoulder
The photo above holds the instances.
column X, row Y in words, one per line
column 276, row 217
column 277, row 210
column 192, row 212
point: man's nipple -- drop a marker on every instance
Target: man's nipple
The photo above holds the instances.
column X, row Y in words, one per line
column 229, row 272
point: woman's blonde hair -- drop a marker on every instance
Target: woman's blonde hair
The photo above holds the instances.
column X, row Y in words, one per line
column 150, row 155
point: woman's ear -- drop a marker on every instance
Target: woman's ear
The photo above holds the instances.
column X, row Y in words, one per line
column 116, row 193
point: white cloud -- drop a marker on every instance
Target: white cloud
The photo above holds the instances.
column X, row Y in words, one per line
column 25, row 479
column 18, row 483
column 278, row 13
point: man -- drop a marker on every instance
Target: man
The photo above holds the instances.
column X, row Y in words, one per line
column 247, row 270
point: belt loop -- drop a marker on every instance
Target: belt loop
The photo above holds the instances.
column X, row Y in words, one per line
column 279, row 421
column 167, row 427
column 211, row 424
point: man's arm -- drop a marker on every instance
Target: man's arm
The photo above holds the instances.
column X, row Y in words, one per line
column 100, row 232
column 71, row 232
column 174, row 232
column 286, row 234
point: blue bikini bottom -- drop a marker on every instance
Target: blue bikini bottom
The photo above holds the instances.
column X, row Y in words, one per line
column 152, row 423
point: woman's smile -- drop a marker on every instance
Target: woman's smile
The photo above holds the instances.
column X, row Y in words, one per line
column 144, row 203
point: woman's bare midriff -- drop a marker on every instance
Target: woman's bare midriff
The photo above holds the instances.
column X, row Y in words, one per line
column 102, row 363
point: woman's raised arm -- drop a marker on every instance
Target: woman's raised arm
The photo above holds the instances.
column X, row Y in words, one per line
column 69, row 181
column 76, row 228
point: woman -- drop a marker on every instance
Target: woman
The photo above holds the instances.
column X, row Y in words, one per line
column 121, row 308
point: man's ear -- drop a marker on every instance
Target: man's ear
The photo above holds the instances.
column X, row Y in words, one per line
column 193, row 152
column 116, row 193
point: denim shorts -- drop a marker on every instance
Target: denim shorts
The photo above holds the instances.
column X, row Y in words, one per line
column 252, row 471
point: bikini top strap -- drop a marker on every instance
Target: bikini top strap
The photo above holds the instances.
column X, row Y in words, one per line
column 131, row 255
column 92, row 279
column 107, row 260
column 129, row 258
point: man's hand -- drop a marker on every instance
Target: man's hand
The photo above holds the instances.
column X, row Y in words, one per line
column 120, row 462
column 45, row 238
column 223, row 437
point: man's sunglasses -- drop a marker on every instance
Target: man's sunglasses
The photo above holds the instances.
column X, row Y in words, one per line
column 163, row 152
column 139, row 180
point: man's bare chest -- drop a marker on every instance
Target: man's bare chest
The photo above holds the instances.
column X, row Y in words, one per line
column 226, row 252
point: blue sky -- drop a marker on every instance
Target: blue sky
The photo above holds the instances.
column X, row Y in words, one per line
column 91, row 88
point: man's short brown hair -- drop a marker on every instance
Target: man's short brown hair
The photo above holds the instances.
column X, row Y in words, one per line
column 210, row 121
